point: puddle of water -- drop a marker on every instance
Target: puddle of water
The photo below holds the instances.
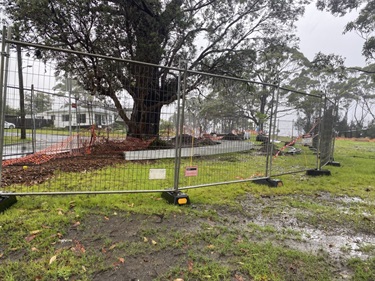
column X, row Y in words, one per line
column 338, row 244
column 349, row 200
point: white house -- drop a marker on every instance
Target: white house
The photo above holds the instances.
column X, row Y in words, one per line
column 82, row 116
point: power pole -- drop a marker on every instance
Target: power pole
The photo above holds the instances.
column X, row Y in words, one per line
column 22, row 93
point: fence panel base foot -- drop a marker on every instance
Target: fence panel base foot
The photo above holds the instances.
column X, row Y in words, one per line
column 269, row 182
column 6, row 201
column 176, row 198
column 316, row 172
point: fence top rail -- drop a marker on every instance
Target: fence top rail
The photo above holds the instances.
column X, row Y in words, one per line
column 276, row 85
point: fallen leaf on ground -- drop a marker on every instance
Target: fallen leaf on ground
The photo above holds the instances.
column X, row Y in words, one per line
column 29, row 238
column 120, row 261
column 52, row 259
column 190, row 266
column 78, row 248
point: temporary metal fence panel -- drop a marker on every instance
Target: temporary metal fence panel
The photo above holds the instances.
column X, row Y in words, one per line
column 292, row 149
column 294, row 134
column 219, row 140
column 65, row 138
column 99, row 136
column 326, row 146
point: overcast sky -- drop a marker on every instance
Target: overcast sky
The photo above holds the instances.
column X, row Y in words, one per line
column 320, row 31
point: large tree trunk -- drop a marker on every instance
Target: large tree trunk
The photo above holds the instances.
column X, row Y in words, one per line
column 147, row 95
column 145, row 119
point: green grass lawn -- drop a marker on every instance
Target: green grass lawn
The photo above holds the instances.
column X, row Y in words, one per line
column 217, row 237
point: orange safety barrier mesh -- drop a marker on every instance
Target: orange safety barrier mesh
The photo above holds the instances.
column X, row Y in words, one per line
column 73, row 145
column 295, row 140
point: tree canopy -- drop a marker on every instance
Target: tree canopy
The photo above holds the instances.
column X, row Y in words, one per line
column 211, row 35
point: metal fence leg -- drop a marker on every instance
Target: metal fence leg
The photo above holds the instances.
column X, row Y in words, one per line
column 6, row 200
column 175, row 196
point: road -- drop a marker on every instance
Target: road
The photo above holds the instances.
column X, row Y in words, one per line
column 42, row 141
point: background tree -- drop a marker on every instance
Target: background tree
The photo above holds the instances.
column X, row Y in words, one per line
column 278, row 60
column 157, row 32
column 351, row 88
column 325, row 75
column 37, row 103
column 11, row 111
column 247, row 105
column 167, row 128
column 220, row 112
column 365, row 90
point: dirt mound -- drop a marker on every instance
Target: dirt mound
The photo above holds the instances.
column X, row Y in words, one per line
column 118, row 147
column 186, row 139
column 36, row 174
column 232, row 137
column 204, row 142
column 160, row 144
column 103, row 153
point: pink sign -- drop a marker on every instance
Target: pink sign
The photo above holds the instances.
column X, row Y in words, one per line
column 191, row 171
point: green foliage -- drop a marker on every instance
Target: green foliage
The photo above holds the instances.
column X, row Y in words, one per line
column 157, row 32
column 37, row 103
column 11, row 111
column 167, row 128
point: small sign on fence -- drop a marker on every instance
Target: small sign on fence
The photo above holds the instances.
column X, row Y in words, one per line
column 157, row 174
column 191, row 171
column 307, row 140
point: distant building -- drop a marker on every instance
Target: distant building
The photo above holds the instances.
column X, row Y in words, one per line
column 82, row 116
column 37, row 122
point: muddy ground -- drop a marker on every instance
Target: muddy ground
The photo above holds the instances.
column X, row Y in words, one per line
column 334, row 243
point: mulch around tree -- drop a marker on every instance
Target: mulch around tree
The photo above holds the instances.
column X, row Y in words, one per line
column 103, row 153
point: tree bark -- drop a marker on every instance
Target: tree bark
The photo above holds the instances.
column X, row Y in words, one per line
column 145, row 119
